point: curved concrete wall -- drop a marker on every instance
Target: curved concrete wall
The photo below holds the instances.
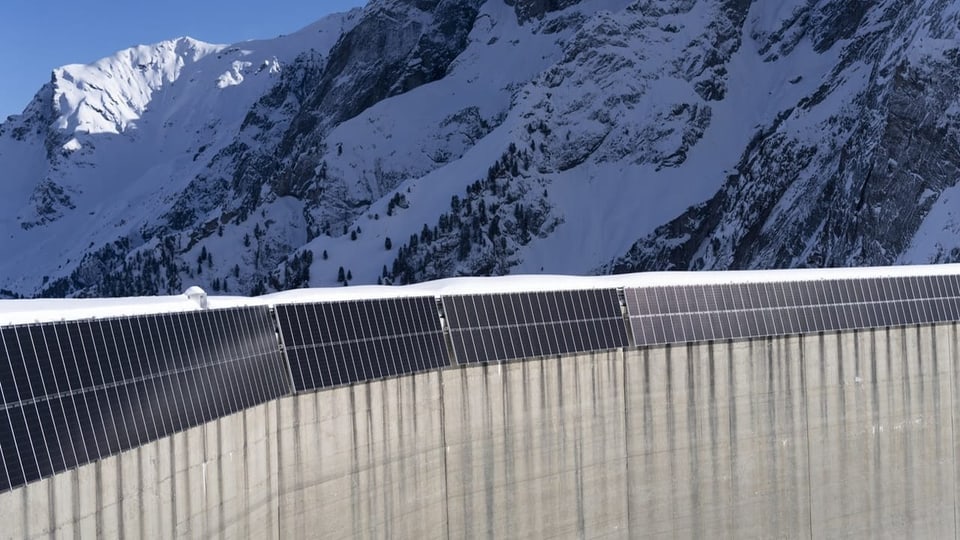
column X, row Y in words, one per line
column 816, row 436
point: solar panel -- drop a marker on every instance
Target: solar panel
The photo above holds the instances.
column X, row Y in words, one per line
column 526, row 325
column 73, row 392
column 336, row 343
column 678, row 314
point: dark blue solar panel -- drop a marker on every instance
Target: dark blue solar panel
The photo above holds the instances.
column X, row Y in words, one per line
column 336, row 343
column 77, row 391
column 679, row 314
column 526, row 325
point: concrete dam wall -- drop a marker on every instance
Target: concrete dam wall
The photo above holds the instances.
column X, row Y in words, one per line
column 837, row 433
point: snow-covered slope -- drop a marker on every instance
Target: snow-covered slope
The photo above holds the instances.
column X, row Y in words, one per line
column 103, row 149
column 417, row 139
column 860, row 171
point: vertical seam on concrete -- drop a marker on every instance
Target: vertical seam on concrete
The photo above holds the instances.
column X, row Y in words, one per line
column 26, row 512
column 173, row 484
column 141, row 494
column 121, row 525
column 203, row 482
column 98, row 498
column 953, row 406
column 278, row 435
column 245, row 527
column 298, row 487
column 221, row 507
column 75, row 490
column 52, row 501
column 578, row 451
column 805, row 382
column 626, row 433
column 443, row 448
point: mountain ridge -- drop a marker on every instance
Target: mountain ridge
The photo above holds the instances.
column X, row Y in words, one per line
column 418, row 139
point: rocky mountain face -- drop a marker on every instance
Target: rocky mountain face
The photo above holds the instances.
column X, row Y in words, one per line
column 417, row 139
column 847, row 175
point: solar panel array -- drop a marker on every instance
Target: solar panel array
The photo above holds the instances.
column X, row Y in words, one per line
column 336, row 343
column 75, row 392
column 679, row 314
column 497, row 327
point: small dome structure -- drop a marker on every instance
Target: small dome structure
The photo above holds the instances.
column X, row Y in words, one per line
column 198, row 295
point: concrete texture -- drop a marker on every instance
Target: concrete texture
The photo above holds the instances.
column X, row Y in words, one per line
column 215, row 480
column 830, row 435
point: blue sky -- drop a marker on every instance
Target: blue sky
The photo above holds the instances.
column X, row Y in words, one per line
column 39, row 35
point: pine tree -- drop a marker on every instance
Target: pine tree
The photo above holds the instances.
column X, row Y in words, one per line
column 341, row 276
column 494, row 230
column 388, row 244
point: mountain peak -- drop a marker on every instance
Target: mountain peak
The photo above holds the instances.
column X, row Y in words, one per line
column 108, row 95
column 416, row 139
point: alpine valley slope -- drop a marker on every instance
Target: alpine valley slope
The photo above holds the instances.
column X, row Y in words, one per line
column 416, row 139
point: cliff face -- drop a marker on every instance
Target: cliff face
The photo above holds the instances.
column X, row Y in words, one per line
column 848, row 175
column 417, row 139
column 535, row 9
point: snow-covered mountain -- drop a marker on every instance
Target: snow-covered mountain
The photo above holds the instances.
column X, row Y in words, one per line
column 415, row 139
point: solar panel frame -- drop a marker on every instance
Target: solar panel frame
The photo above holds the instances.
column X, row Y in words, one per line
column 373, row 347
column 76, row 401
column 172, row 406
column 952, row 282
column 330, row 361
column 428, row 355
column 349, row 342
column 206, row 326
column 639, row 301
column 390, row 346
column 927, row 304
column 695, row 294
column 533, row 324
column 33, row 432
column 579, row 318
column 273, row 375
column 526, row 339
column 264, row 378
column 911, row 310
column 677, row 314
column 947, row 302
column 895, row 304
column 106, row 385
column 239, row 387
column 359, row 363
column 577, row 321
column 901, row 289
column 541, row 334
